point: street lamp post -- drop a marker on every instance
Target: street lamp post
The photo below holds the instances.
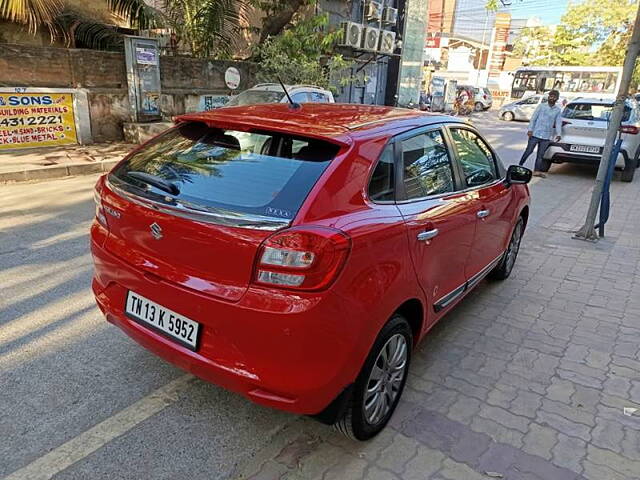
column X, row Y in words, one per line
column 484, row 34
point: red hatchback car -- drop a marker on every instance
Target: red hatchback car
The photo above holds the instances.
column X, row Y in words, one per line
column 297, row 256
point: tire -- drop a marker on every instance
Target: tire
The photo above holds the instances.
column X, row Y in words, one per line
column 362, row 424
column 629, row 171
column 478, row 107
column 504, row 268
column 508, row 116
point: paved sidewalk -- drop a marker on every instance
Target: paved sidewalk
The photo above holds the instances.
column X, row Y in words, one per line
column 54, row 162
column 525, row 380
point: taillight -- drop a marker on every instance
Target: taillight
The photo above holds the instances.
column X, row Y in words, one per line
column 629, row 129
column 484, row 96
column 302, row 258
column 101, row 216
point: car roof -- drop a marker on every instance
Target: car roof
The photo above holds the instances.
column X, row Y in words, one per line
column 278, row 87
column 594, row 101
column 337, row 122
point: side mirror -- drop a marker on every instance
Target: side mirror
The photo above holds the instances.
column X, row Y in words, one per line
column 518, row 175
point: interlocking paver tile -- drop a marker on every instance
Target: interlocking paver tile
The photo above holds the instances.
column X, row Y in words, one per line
column 527, row 378
column 540, row 440
column 396, row 455
column 569, row 452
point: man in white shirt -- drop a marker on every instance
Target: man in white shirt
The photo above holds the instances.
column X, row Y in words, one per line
column 544, row 122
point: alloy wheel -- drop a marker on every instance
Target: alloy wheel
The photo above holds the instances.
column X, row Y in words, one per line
column 385, row 380
column 514, row 247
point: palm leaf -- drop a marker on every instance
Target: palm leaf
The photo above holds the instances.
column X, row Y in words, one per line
column 137, row 12
column 80, row 32
column 211, row 27
column 32, row 13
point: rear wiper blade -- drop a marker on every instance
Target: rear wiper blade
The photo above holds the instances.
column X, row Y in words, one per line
column 155, row 181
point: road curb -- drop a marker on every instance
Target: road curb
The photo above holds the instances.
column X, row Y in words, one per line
column 57, row 171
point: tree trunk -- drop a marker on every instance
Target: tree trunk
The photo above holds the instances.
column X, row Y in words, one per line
column 275, row 23
column 587, row 232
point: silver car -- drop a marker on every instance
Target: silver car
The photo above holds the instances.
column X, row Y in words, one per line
column 523, row 109
column 584, row 129
column 483, row 99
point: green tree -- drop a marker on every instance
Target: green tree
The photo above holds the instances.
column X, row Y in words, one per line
column 532, row 44
column 64, row 20
column 594, row 32
column 37, row 14
column 209, row 27
column 302, row 53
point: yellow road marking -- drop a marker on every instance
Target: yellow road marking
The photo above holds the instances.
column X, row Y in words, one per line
column 93, row 439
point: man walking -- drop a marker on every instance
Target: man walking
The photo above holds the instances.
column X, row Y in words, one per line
column 544, row 122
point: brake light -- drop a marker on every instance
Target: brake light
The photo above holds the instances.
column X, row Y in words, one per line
column 302, row 258
column 633, row 130
column 101, row 216
column 484, row 96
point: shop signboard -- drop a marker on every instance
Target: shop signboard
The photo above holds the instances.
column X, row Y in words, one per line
column 30, row 119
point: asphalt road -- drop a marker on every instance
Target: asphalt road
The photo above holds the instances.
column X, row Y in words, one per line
column 79, row 399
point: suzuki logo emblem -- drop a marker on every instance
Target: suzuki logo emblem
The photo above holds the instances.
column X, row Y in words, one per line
column 156, row 230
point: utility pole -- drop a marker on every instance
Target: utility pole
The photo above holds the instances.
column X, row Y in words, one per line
column 588, row 232
column 484, row 35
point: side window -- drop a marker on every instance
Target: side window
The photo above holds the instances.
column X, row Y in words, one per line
column 426, row 164
column 318, row 97
column 478, row 164
column 300, row 97
column 531, row 100
column 382, row 184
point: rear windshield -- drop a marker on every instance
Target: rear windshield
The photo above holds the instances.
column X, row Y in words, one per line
column 594, row 112
column 264, row 174
column 251, row 97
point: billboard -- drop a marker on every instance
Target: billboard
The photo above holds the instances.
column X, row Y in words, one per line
column 36, row 120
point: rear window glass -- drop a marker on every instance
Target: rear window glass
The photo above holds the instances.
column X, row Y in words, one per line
column 593, row 112
column 263, row 174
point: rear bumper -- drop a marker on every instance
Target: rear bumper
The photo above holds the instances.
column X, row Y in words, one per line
column 560, row 153
column 291, row 352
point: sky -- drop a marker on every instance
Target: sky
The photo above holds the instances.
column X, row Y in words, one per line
column 549, row 11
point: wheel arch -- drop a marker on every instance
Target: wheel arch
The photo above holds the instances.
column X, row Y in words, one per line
column 524, row 213
column 413, row 311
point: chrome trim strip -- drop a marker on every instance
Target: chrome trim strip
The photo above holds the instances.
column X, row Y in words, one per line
column 481, row 274
column 449, row 298
column 204, row 215
column 440, row 196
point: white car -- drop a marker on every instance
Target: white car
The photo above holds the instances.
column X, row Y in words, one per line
column 273, row 93
column 584, row 129
column 523, row 109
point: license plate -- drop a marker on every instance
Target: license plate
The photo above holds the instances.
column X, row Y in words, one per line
column 173, row 325
column 584, row 149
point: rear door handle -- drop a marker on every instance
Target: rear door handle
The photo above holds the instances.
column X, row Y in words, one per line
column 483, row 213
column 428, row 235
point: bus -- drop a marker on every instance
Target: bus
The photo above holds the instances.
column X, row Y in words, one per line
column 571, row 82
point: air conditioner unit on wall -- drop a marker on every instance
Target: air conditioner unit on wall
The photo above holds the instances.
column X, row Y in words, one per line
column 370, row 39
column 387, row 41
column 390, row 15
column 351, row 34
column 373, row 10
